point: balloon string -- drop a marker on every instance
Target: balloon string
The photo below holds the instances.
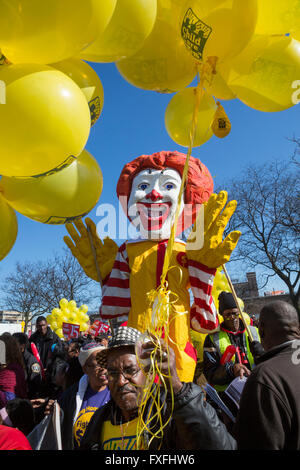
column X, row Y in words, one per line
column 161, row 321
column 249, row 332
column 97, row 268
column 199, row 91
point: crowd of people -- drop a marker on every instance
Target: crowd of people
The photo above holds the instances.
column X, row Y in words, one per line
column 97, row 384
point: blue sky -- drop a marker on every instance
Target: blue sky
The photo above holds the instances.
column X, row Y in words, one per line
column 131, row 124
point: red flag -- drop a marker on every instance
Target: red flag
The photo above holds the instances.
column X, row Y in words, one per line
column 98, row 327
column 70, row 330
column 228, row 354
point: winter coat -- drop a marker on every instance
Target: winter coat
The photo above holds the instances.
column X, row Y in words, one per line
column 269, row 415
column 194, row 425
column 44, row 343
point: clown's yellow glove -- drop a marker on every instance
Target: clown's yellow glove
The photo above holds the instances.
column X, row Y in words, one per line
column 81, row 248
column 215, row 251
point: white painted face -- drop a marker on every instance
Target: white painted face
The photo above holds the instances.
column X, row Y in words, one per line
column 153, row 201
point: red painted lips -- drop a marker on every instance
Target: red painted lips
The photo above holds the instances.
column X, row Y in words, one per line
column 153, row 215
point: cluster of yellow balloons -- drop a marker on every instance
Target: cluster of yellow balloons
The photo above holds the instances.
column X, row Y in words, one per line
column 59, row 197
column 247, row 50
column 68, row 312
column 50, row 98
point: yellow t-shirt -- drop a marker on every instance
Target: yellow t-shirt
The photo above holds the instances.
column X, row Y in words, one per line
column 120, row 436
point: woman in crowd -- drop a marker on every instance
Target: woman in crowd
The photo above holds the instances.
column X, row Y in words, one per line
column 12, row 374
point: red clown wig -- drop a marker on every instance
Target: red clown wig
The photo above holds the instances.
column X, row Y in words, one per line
column 199, row 184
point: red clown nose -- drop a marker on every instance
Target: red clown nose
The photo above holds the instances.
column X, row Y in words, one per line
column 154, row 195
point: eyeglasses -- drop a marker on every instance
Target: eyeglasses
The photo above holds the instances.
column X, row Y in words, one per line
column 127, row 373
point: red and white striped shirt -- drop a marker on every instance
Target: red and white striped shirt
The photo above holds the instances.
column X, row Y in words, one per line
column 116, row 298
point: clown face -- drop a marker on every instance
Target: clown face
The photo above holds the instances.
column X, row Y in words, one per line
column 153, row 201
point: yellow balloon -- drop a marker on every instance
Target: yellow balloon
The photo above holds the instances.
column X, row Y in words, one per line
column 63, row 303
column 130, row 25
column 56, row 312
column 9, row 227
column 54, row 325
column 221, row 125
column 296, row 35
column 83, row 326
column 66, row 311
column 218, row 86
column 58, row 198
column 59, row 332
column 279, row 17
column 88, row 81
column 83, row 308
column 163, row 64
column 84, row 317
column 179, row 115
column 44, row 121
column 72, row 305
column 217, row 28
column 73, row 319
column 49, row 31
column 262, row 76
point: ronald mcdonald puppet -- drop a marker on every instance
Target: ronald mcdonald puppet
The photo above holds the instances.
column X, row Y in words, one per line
column 148, row 189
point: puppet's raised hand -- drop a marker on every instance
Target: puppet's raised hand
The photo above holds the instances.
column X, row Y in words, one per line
column 80, row 246
column 215, row 251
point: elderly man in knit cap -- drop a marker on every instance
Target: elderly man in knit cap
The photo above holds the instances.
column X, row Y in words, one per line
column 81, row 400
column 219, row 368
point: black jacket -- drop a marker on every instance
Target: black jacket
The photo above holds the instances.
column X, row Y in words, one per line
column 194, row 425
column 214, row 371
column 33, row 375
column 269, row 415
column 44, row 343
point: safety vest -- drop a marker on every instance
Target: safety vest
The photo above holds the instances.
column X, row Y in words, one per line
column 221, row 341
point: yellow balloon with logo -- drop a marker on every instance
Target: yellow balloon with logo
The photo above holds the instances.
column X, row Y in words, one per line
column 263, row 75
column 179, row 116
column 278, row 17
column 217, row 28
column 162, row 64
column 57, row 198
column 41, row 32
column 130, row 25
column 45, row 119
column 9, row 227
column 88, row 81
